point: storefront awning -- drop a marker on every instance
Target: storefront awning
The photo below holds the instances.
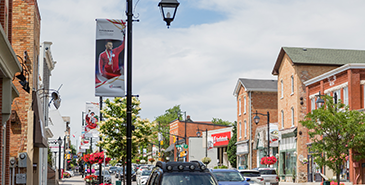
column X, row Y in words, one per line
column 170, row 148
column 39, row 138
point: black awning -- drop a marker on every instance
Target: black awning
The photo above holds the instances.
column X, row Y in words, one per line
column 39, row 139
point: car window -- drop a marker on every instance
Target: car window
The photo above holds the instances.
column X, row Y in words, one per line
column 228, row 176
column 267, row 172
column 188, row 179
column 250, row 174
column 146, row 172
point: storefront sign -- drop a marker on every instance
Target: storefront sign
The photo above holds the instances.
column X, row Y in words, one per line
column 221, row 139
column 242, row 148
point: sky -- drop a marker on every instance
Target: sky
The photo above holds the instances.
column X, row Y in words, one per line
column 197, row 61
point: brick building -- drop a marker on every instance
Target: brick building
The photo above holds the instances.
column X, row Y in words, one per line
column 348, row 83
column 9, row 67
column 177, row 133
column 293, row 67
column 253, row 95
column 26, row 134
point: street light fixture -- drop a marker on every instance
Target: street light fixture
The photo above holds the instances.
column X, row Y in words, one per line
column 59, row 141
column 257, row 119
column 164, row 5
column 320, row 101
column 168, row 10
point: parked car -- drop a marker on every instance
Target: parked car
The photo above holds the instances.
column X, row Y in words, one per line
column 229, row 177
column 142, row 179
column 181, row 173
column 269, row 175
column 105, row 175
column 113, row 169
column 253, row 175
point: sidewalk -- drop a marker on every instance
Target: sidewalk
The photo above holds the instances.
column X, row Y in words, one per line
column 75, row 180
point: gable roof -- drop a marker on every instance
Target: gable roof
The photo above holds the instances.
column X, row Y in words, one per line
column 256, row 85
column 319, row 56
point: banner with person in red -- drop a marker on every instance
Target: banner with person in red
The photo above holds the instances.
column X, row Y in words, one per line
column 91, row 119
column 109, row 58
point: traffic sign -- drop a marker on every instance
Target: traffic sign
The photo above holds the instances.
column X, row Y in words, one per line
column 185, row 146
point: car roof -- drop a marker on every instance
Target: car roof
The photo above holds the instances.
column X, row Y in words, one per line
column 248, row 170
column 224, row 170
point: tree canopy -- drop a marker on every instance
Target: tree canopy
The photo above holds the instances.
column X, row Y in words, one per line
column 334, row 130
column 219, row 121
column 113, row 128
column 232, row 148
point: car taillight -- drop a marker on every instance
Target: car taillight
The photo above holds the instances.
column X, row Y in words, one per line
column 261, row 179
column 277, row 178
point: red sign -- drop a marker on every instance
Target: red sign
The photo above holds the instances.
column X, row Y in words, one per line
column 221, row 139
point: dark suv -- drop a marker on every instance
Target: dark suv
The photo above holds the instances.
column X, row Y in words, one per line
column 181, row 173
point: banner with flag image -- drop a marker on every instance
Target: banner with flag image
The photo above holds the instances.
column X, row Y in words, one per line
column 109, row 58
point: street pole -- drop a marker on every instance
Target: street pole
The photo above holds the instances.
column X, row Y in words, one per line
column 100, row 118
column 185, row 135
column 64, row 153
column 91, row 149
column 159, row 142
column 59, row 161
column 268, row 134
column 206, row 142
column 129, row 90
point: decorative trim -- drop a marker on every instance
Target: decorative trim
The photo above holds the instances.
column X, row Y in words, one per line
column 362, row 82
column 335, row 88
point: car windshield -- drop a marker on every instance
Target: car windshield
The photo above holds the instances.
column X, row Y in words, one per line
column 228, row 176
column 267, row 172
column 113, row 168
column 250, row 174
column 146, row 172
column 188, row 179
column 103, row 173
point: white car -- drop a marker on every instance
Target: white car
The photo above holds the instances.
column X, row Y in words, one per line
column 253, row 175
column 143, row 177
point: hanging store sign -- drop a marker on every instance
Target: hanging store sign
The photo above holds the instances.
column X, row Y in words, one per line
column 221, row 139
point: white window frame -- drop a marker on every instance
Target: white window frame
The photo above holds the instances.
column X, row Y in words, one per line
column 244, row 105
column 292, row 117
column 240, row 130
column 245, row 128
column 292, row 84
column 239, row 107
column 282, row 119
column 282, row 88
column 338, row 95
column 313, row 104
column 346, row 95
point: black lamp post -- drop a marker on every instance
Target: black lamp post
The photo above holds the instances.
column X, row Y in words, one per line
column 59, row 141
column 257, row 119
column 320, row 101
column 165, row 6
column 168, row 10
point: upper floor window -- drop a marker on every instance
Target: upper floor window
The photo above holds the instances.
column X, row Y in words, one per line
column 282, row 119
column 240, row 130
column 292, row 84
column 245, row 128
column 244, row 105
column 282, row 88
column 292, row 116
column 239, row 106
column 346, row 96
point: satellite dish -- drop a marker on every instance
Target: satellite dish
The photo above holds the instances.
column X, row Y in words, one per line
column 55, row 96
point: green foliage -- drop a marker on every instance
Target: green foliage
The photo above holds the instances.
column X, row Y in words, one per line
column 49, row 159
column 232, row 148
column 221, row 167
column 334, row 130
column 113, row 129
column 219, row 121
column 163, row 122
column 113, row 162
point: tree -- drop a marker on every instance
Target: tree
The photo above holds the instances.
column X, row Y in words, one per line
column 164, row 124
column 219, row 121
column 232, row 148
column 113, row 129
column 334, row 130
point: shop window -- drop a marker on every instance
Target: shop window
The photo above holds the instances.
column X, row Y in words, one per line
column 290, row 162
column 242, row 161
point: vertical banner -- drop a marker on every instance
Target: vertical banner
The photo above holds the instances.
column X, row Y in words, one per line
column 109, row 59
column 92, row 119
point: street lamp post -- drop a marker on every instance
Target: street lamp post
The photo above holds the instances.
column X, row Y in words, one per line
column 166, row 7
column 59, row 141
column 257, row 119
column 320, row 101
